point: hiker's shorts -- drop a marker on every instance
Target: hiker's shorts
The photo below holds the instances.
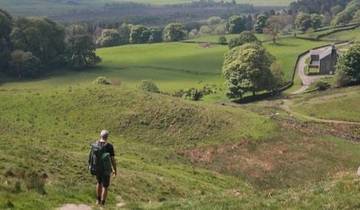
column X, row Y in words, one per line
column 104, row 180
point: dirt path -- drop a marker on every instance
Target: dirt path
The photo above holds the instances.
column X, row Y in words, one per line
column 286, row 106
column 305, row 79
column 75, row 207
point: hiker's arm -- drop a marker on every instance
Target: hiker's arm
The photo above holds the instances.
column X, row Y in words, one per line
column 113, row 162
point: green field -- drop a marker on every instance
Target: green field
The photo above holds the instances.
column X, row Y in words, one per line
column 174, row 153
column 334, row 105
column 351, row 35
column 171, row 153
column 173, row 66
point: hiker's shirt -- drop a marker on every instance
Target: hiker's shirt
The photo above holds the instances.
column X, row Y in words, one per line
column 107, row 147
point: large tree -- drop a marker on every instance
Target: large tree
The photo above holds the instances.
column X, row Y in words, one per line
column 108, row 38
column 174, row 32
column 24, row 64
column 40, row 36
column 247, row 69
column 80, row 51
column 236, row 24
column 155, row 35
column 139, row 34
column 260, row 24
column 303, row 21
column 243, row 38
column 275, row 24
column 348, row 67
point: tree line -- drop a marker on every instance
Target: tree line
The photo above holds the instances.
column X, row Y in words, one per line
column 31, row 47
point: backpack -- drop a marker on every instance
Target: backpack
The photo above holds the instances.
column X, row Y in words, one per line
column 99, row 160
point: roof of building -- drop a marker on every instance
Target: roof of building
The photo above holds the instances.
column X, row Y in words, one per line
column 322, row 53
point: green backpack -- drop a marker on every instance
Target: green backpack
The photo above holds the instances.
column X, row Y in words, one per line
column 99, row 160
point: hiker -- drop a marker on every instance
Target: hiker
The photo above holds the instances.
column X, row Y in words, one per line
column 102, row 164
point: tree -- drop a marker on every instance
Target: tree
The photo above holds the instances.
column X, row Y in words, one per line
column 275, row 24
column 139, row 34
column 155, row 35
column 316, row 21
column 5, row 44
column 348, row 67
column 243, row 38
column 24, row 64
column 260, row 24
column 303, row 21
column 204, row 30
column 174, row 32
column 214, row 21
column 347, row 14
column 40, row 36
column 80, row 52
column 124, row 33
column 108, row 38
column 247, row 69
column 236, row 24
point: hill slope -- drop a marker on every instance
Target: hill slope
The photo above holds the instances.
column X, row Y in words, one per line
column 171, row 153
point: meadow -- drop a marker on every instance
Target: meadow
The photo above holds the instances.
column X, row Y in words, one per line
column 172, row 66
column 341, row 104
column 351, row 35
column 171, row 153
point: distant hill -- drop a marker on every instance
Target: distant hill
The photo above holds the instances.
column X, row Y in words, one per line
column 57, row 7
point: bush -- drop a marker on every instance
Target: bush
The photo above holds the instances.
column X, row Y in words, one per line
column 102, row 81
column 149, row 86
column 193, row 94
column 348, row 67
column 222, row 40
column 322, row 85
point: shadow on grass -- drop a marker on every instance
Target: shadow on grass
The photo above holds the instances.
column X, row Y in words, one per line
column 56, row 73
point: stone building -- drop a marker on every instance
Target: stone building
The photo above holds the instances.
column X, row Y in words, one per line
column 324, row 59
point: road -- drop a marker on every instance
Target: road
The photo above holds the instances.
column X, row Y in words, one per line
column 305, row 79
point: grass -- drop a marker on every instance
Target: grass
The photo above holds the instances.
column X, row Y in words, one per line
column 351, row 35
column 162, row 145
column 334, row 104
column 172, row 66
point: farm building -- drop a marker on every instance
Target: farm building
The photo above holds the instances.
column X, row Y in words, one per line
column 324, row 59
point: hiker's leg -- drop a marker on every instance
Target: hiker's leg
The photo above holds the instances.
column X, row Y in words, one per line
column 104, row 195
column 105, row 186
column 98, row 192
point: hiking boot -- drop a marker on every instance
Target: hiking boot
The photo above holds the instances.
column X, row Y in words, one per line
column 102, row 203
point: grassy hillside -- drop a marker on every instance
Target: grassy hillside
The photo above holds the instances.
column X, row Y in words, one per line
column 50, row 7
column 352, row 35
column 171, row 153
column 340, row 104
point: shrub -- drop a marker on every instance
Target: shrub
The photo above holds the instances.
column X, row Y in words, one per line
column 222, row 40
column 193, row 94
column 322, row 85
column 149, row 86
column 102, row 81
column 348, row 67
